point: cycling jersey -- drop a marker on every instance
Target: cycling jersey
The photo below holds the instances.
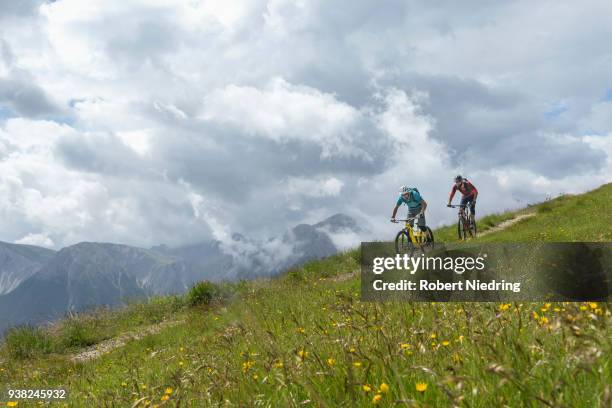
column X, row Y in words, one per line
column 466, row 189
column 414, row 201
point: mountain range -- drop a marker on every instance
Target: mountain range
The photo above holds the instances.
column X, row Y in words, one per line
column 39, row 285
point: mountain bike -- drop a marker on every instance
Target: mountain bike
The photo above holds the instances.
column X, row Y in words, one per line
column 410, row 239
column 466, row 223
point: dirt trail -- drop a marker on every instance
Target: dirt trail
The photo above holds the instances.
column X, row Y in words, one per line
column 109, row 345
column 506, row 224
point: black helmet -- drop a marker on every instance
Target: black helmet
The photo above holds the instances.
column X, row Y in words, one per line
column 458, row 178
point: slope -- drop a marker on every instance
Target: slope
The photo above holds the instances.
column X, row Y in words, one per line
column 305, row 339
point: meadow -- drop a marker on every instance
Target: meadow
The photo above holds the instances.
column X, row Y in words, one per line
column 305, row 339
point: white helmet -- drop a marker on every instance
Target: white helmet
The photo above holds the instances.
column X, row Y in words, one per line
column 404, row 189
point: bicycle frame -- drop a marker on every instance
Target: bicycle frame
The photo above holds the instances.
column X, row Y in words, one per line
column 415, row 235
column 466, row 218
column 462, row 213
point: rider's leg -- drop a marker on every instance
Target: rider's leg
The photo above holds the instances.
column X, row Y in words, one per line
column 420, row 222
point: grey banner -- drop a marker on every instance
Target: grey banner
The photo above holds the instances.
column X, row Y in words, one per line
column 493, row 272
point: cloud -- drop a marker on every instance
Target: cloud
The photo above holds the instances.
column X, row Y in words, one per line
column 314, row 188
column 284, row 112
column 36, row 239
column 150, row 122
column 22, row 8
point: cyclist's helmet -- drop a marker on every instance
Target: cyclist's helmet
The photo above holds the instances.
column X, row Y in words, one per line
column 404, row 189
column 458, row 178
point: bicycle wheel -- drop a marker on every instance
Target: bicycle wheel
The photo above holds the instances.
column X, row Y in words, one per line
column 403, row 245
column 472, row 226
column 429, row 239
column 461, row 232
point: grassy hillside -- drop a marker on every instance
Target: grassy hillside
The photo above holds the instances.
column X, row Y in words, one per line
column 305, row 339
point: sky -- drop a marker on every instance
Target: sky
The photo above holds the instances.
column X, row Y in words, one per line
column 147, row 122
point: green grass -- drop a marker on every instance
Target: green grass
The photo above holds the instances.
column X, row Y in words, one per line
column 305, row 339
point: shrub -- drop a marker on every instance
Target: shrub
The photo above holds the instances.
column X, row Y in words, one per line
column 26, row 342
column 545, row 208
column 76, row 333
column 203, row 293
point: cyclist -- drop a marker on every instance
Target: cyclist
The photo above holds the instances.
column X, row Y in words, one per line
column 416, row 206
column 468, row 193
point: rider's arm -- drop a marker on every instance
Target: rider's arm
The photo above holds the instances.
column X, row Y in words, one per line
column 394, row 211
column 423, row 206
column 475, row 190
column 452, row 194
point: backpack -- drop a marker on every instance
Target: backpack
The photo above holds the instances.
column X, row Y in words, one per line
column 469, row 188
column 416, row 196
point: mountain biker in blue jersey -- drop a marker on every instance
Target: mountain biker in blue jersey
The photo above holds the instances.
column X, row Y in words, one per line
column 416, row 206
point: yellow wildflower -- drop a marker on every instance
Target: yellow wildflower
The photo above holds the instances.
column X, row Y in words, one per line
column 165, row 397
column 168, row 391
column 352, row 350
column 445, row 343
column 583, row 307
column 593, row 305
column 504, row 306
column 377, row 398
column 302, row 354
column 366, row 388
column 433, row 335
column 301, row 330
column 12, row 403
column 421, row 386
column 247, row 365
column 278, row 364
column 357, row 364
column 331, row 362
column 384, row 388
column 404, row 346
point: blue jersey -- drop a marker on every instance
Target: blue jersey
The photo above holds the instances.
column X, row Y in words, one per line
column 414, row 201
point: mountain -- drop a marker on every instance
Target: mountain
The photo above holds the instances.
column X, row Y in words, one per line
column 245, row 258
column 308, row 242
column 19, row 262
column 339, row 223
column 44, row 284
column 94, row 274
column 206, row 256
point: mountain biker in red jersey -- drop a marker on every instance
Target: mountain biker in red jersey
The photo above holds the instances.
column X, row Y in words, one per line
column 468, row 193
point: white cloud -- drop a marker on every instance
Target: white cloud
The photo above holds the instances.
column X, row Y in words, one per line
column 176, row 122
column 327, row 187
column 282, row 111
column 36, row 239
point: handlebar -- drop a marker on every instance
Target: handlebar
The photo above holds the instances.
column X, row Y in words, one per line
column 406, row 220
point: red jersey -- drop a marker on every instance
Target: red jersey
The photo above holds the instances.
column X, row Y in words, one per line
column 466, row 188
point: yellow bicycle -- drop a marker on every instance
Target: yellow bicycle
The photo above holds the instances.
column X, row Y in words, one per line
column 409, row 239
